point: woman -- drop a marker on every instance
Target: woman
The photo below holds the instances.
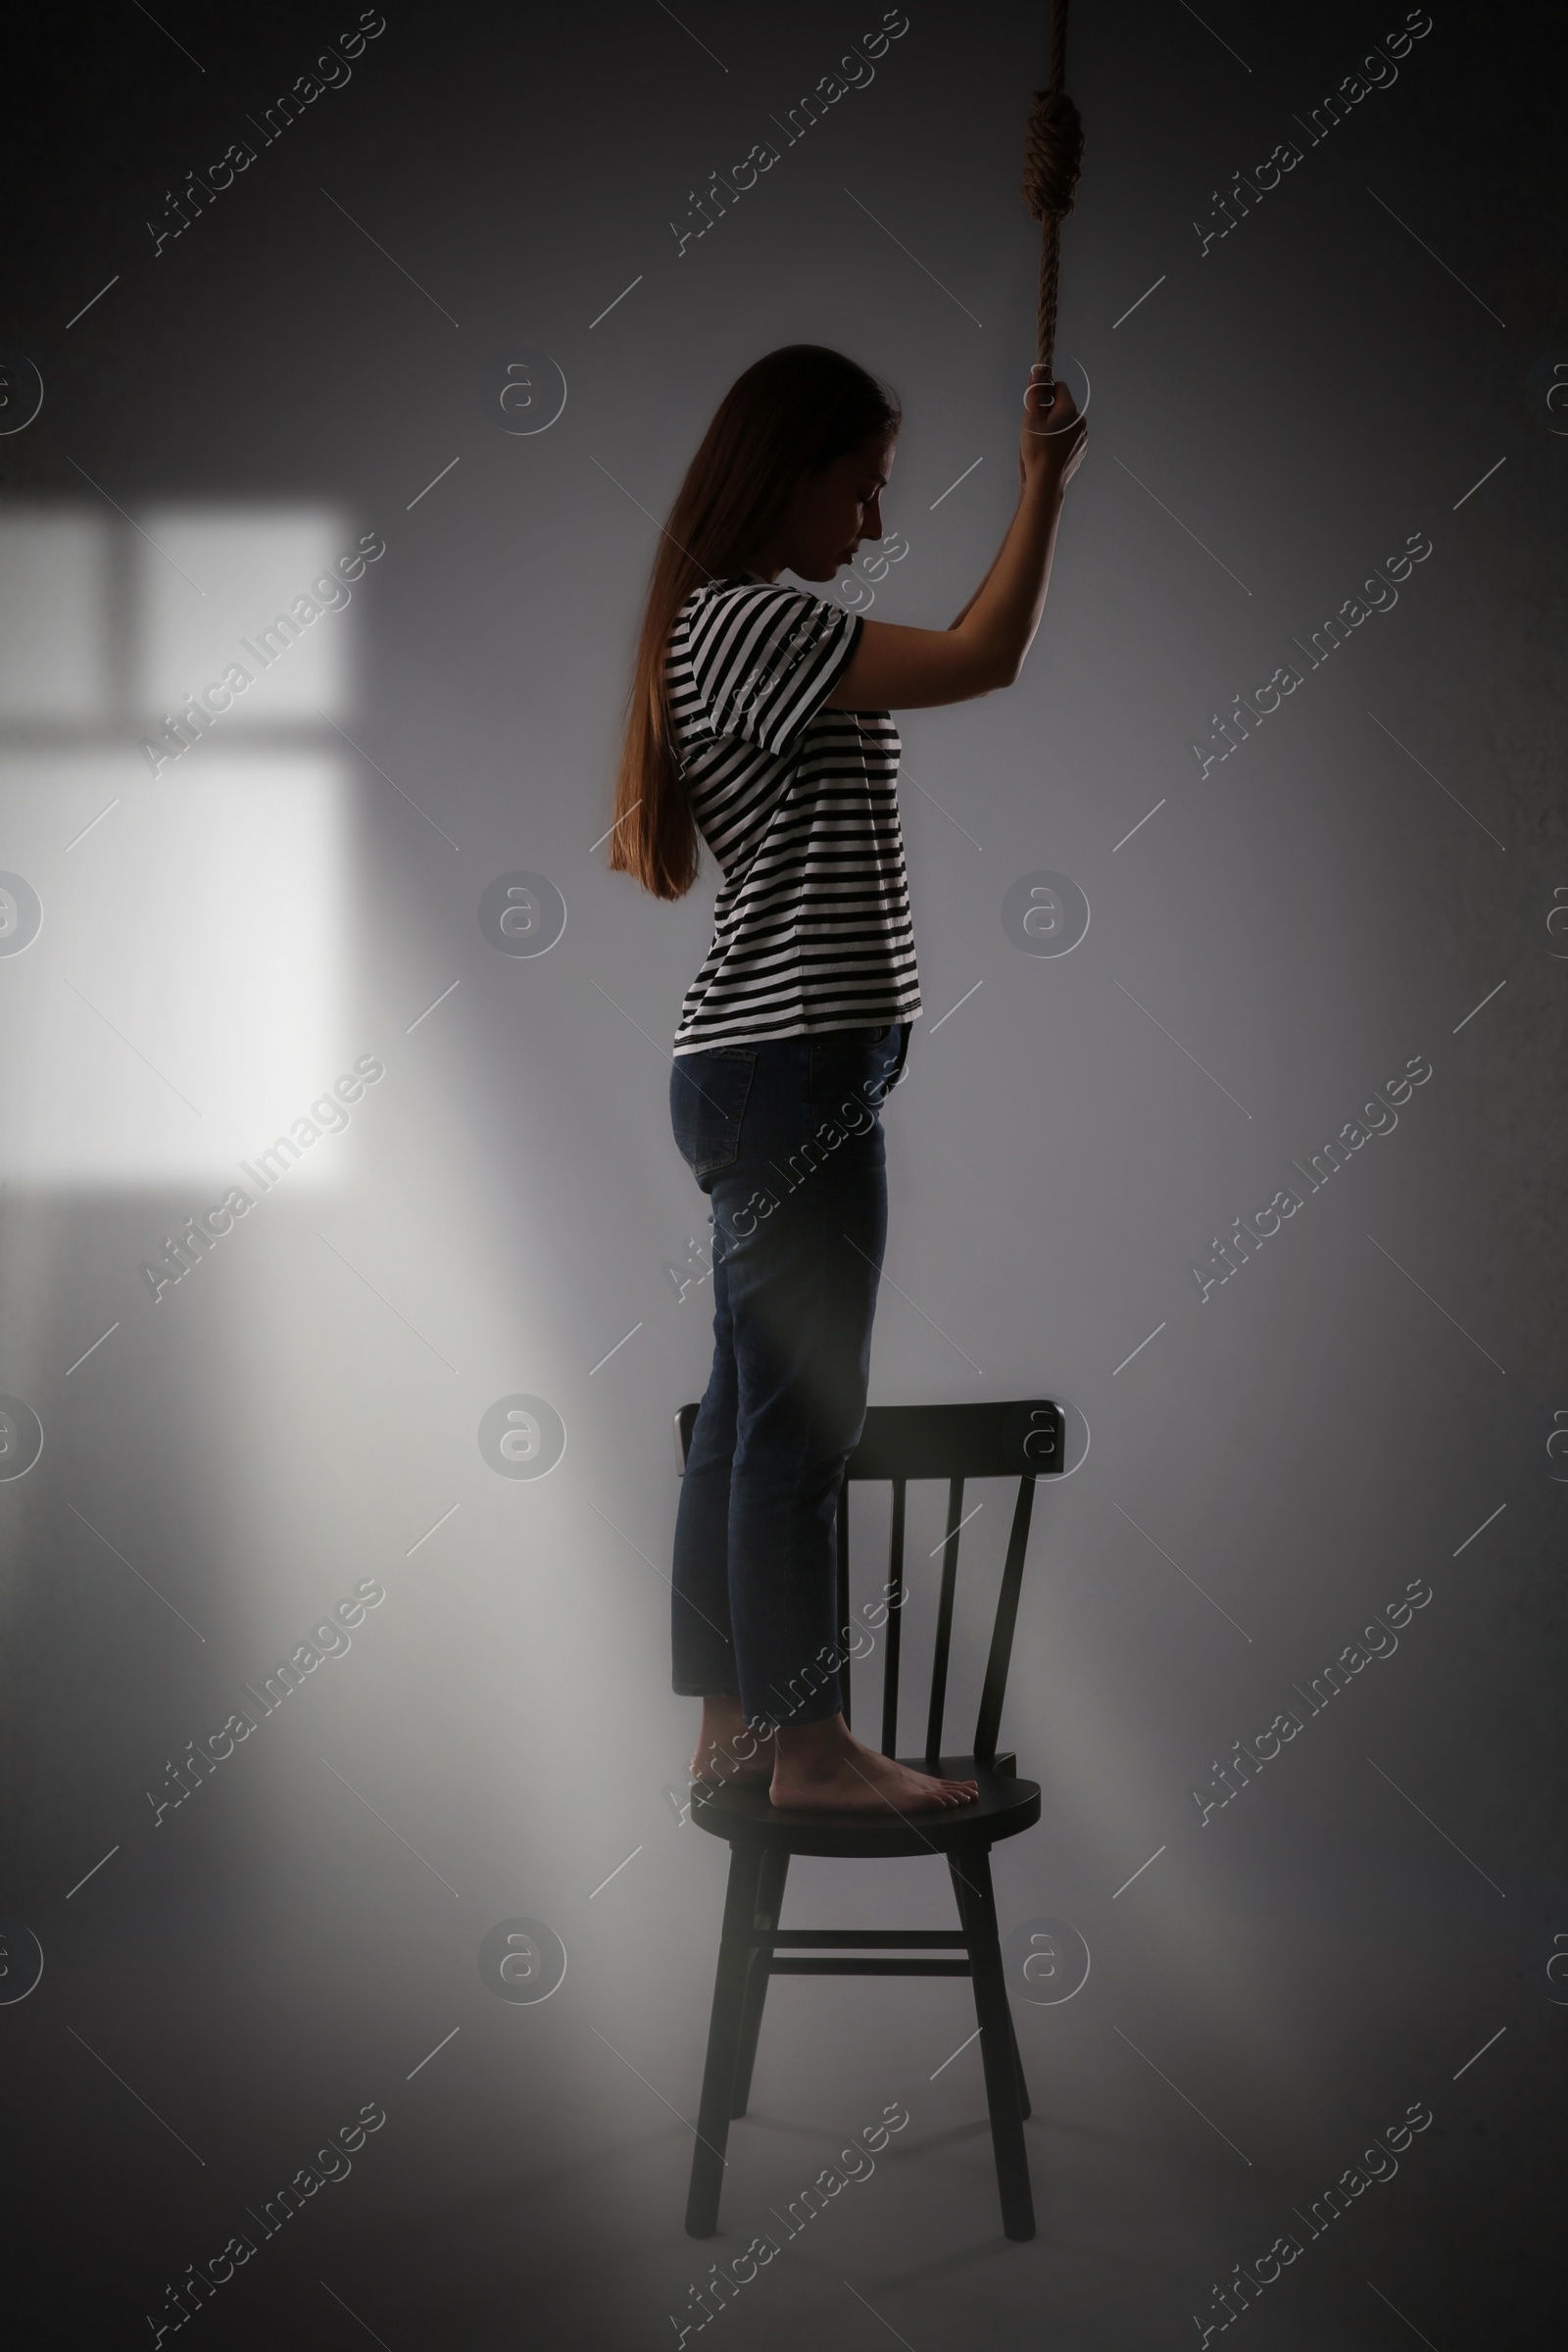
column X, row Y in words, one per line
column 759, row 716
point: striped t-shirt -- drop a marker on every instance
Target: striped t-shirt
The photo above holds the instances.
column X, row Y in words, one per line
column 812, row 927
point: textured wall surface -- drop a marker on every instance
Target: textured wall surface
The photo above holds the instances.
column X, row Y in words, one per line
column 405, row 327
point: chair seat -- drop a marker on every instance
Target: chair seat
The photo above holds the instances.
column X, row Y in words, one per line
column 747, row 1815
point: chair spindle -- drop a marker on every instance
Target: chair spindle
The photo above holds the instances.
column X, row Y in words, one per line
column 938, row 1657
column 895, row 1601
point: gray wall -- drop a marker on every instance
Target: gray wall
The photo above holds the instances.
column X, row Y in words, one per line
column 1366, row 1403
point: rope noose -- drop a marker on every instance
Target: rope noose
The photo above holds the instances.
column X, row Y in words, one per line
column 1053, row 152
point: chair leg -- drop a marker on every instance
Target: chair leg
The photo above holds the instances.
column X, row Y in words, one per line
column 724, row 2037
column 770, row 1902
column 1017, row 2062
column 998, row 2049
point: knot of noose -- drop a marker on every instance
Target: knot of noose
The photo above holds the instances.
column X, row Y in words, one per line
column 1054, row 154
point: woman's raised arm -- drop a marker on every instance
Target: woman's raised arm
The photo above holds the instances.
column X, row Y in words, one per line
column 896, row 669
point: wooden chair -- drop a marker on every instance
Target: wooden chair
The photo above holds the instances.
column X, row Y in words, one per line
column 899, row 1443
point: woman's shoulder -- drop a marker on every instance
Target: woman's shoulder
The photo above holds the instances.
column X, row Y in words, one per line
column 741, row 591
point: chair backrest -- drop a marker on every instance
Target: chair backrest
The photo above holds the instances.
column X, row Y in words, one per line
column 899, row 1443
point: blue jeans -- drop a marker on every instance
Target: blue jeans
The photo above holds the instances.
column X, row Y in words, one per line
column 786, row 1139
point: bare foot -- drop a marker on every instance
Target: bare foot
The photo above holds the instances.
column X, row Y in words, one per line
column 727, row 1749
column 823, row 1767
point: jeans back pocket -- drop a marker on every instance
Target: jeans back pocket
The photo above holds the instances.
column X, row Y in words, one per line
column 708, row 1097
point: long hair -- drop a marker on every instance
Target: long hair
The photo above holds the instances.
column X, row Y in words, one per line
column 790, row 415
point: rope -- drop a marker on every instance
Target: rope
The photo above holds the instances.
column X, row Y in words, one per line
column 1054, row 154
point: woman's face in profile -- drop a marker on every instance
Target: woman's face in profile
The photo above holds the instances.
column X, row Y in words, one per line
column 835, row 510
